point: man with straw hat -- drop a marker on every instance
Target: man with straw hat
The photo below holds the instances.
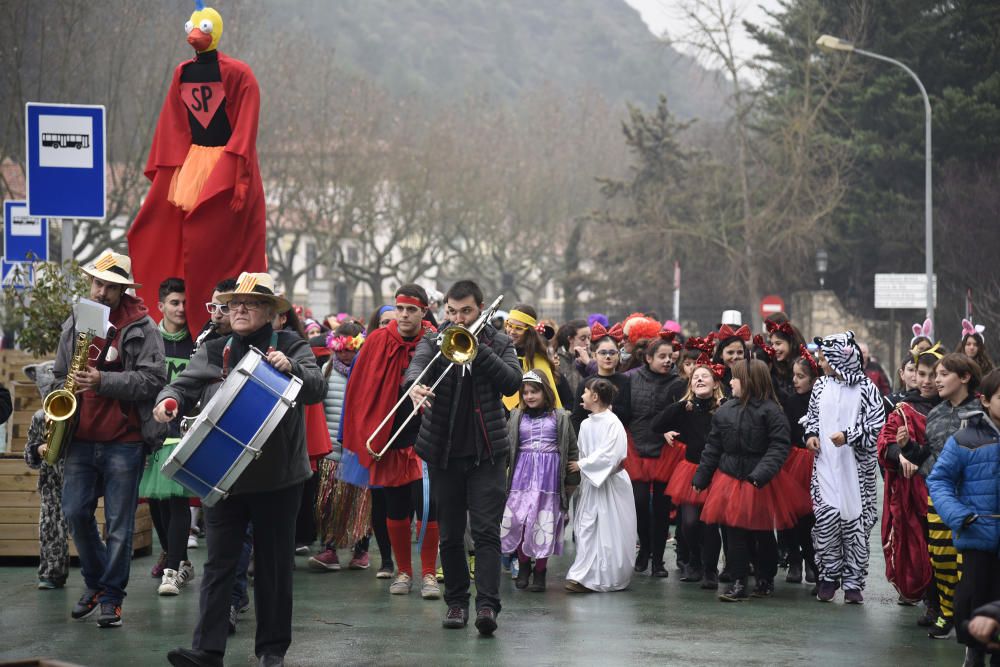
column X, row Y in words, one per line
column 114, row 431
column 268, row 492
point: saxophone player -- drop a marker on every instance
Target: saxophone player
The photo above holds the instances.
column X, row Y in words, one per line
column 115, row 428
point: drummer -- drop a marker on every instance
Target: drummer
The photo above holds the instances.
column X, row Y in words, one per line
column 268, row 492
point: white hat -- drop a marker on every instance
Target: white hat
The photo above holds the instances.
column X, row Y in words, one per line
column 732, row 318
column 112, row 267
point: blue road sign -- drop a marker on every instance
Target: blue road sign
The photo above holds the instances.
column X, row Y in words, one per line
column 24, row 238
column 66, row 158
column 21, row 278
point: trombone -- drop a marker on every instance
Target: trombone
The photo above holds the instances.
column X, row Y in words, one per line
column 457, row 344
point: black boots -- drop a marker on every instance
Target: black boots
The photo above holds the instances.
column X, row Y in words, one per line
column 538, row 582
column 737, row 592
column 523, row 575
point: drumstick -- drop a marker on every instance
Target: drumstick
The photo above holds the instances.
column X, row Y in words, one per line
column 170, row 406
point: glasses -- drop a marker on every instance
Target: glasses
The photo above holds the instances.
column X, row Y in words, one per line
column 213, row 307
column 607, row 353
column 515, row 326
column 249, row 306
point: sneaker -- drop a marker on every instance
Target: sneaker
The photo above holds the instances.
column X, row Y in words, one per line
column 440, row 574
column 169, row 584
column 737, row 592
column 234, row 618
column 86, row 605
column 455, row 618
column 402, row 584
column 359, row 561
column 515, row 568
column 111, row 615
column 301, row 549
column 429, row 589
column 161, row 563
column 853, row 596
column 325, row 561
column 929, row 617
column 186, row 570
column 764, row 588
column 942, row 629
column 486, row 621
column 385, row 572
column 906, row 602
column 48, row 584
column 825, row 590
column 244, row 605
column 192, row 541
column 691, row 574
column 660, row 570
column 505, row 562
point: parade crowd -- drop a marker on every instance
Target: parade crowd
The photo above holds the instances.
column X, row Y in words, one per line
column 752, row 453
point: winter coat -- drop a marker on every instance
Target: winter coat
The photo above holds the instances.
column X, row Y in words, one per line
column 283, row 460
column 144, row 374
column 748, row 442
column 567, row 451
column 621, row 405
column 965, row 481
column 496, row 372
column 693, row 425
column 651, row 393
column 569, row 369
column 942, row 422
column 333, row 406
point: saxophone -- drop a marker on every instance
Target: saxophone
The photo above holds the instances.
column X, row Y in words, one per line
column 60, row 406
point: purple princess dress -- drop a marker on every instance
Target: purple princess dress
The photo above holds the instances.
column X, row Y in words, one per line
column 533, row 512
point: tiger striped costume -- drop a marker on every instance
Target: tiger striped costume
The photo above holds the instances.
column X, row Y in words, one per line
column 843, row 487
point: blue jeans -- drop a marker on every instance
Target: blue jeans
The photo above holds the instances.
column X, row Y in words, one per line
column 115, row 469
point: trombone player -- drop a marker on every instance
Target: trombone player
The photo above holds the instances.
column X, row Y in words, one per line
column 463, row 439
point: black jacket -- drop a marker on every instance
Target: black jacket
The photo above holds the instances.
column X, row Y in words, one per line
column 693, row 425
column 496, row 372
column 6, row 405
column 651, row 392
column 796, row 406
column 749, row 442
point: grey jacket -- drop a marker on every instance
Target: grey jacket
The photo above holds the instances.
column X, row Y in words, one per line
column 333, row 408
column 284, row 460
column 942, row 422
column 568, row 450
column 145, row 373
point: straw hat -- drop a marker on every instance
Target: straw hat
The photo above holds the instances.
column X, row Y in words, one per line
column 257, row 284
column 112, row 267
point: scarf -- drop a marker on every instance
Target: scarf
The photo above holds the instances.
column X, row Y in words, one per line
column 172, row 337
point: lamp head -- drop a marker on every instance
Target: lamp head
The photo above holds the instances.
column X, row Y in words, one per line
column 829, row 43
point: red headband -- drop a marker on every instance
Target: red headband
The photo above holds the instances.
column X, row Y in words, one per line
column 704, row 345
column 668, row 335
column 785, row 329
column 597, row 332
column 807, row 355
column 725, row 331
column 758, row 340
column 410, row 300
column 718, row 370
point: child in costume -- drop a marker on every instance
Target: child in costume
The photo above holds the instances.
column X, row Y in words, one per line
column 963, row 485
column 543, row 444
column 604, row 522
column 532, row 351
column 845, row 409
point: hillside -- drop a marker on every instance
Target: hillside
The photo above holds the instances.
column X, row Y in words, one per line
column 445, row 48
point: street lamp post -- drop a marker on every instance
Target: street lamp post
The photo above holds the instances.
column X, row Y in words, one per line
column 830, row 43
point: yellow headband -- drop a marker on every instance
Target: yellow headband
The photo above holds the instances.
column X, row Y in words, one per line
column 523, row 318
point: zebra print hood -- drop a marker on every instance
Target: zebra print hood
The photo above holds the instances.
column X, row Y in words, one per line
column 844, row 356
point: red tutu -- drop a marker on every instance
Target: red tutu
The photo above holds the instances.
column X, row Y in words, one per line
column 777, row 506
column 800, row 466
column 679, row 489
column 642, row 469
column 397, row 468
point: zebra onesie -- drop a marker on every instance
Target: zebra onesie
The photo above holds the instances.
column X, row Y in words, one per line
column 843, row 480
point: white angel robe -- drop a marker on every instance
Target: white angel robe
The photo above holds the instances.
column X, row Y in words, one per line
column 604, row 523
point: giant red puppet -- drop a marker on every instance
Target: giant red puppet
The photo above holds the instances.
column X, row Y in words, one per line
column 203, row 219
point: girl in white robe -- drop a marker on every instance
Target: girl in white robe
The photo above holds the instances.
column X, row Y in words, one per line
column 605, row 522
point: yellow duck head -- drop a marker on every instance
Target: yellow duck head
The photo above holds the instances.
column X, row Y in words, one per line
column 204, row 28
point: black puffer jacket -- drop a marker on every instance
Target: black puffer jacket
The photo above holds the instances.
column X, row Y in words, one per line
column 651, row 393
column 496, row 372
column 693, row 425
column 749, row 442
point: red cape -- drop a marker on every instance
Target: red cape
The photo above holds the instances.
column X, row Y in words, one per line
column 373, row 389
column 904, row 543
column 210, row 243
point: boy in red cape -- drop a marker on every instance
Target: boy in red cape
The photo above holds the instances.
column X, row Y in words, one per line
column 372, row 390
column 203, row 218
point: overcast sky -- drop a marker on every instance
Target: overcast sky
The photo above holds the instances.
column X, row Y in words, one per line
column 663, row 16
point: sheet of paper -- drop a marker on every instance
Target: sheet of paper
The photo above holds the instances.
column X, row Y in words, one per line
column 92, row 317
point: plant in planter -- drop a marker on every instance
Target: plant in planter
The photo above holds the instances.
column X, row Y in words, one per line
column 34, row 315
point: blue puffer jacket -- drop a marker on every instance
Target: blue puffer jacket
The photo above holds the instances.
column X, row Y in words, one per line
column 966, row 481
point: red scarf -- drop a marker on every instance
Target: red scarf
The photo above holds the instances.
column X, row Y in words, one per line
column 373, row 388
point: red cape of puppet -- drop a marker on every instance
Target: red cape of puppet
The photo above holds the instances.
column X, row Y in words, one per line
column 907, row 563
column 373, row 389
column 210, row 243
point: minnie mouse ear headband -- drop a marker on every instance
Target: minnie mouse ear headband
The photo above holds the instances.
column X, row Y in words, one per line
column 807, row 356
column 704, row 345
column 718, row 370
column 725, row 331
column 784, row 329
column 969, row 329
column 759, row 341
column 925, row 330
column 597, row 332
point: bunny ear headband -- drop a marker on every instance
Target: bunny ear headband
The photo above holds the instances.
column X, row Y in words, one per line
column 925, row 330
column 968, row 329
